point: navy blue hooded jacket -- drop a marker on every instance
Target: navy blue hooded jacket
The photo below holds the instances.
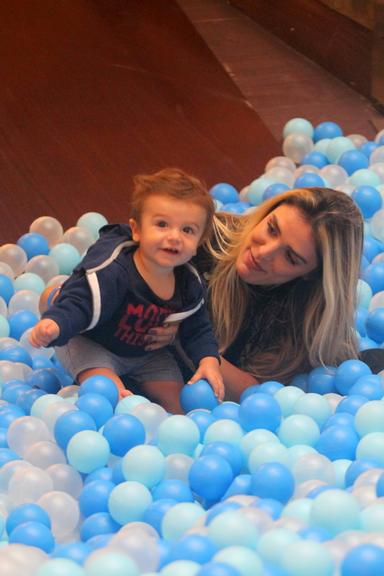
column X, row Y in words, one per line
column 106, row 300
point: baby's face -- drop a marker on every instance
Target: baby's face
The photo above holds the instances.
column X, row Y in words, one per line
column 169, row 231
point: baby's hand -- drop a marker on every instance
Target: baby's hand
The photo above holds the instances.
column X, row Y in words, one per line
column 44, row 332
column 209, row 369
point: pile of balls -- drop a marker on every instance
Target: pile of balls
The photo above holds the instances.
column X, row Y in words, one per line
column 287, row 482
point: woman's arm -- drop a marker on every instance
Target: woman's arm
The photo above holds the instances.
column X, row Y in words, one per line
column 235, row 380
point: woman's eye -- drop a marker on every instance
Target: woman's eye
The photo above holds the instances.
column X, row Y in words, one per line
column 271, row 229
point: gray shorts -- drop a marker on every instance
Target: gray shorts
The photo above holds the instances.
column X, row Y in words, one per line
column 81, row 353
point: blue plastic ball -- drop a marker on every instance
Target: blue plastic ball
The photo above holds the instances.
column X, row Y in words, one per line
column 347, row 374
column 367, row 559
column 360, row 319
column 368, row 147
column 230, row 452
column 33, row 533
column 203, row 418
column 371, row 247
column 12, row 392
column 241, row 484
column 380, row 486
column 368, row 199
column 20, row 321
column 374, row 275
column 321, row 380
column 75, row 551
column 259, row 411
column 30, row 512
column 308, row 180
column 272, row 506
column 155, row 512
column 172, row 489
column 123, row 431
column 7, row 289
column 351, row 403
column 16, row 354
column 358, row 467
column 274, row 190
column 353, row 160
column 194, row 547
column 338, row 442
column 9, row 413
column 273, row 480
column 224, row 192
column 99, row 384
column 7, row 455
column 215, row 568
column 315, row 158
column 210, row 476
column 370, row 386
column 33, row 244
column 198, row 395
column 97, row 406
column 27, row 398
column 227, row 410
column 327, row 129
column 97, row 524
column 375, row 325
column 69, row 424
column 46, row 379
column 94, row 497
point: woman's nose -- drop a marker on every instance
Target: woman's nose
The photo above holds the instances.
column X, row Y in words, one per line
column 269, row 250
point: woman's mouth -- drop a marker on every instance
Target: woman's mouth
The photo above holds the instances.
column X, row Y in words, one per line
column 255, row 263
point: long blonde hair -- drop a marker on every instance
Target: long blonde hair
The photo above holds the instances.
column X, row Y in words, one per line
column 319, row 311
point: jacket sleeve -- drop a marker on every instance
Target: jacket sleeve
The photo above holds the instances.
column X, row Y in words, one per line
column 197, row 338
column 72, row 309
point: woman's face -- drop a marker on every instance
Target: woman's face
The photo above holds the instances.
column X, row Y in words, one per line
column 278, row 249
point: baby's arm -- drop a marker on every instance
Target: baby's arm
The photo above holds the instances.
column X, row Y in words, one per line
column 209, row 369
column 44, row 332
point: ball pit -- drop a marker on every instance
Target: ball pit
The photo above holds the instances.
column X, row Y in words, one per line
column 288, row 482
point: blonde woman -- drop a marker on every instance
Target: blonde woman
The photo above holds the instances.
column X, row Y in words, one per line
column 282, row 286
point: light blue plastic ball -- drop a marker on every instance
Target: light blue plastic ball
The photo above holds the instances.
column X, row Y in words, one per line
column 298, row 126
column 369, row 418
column 4, row 327
column 93, row 221
column 178, row 434
column 144, row 464
column 365, row 177
column 337, row 147
column 29, row 281
column 257, row 188
column 336, row 511
column 66, row 257
column 299, row 429
column 371, row 446
column 69, row 424
column 128, row 501
column 88, row 450
column 364, row 294
column 179, row 519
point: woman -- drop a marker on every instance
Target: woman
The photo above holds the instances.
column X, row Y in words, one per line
column 282, row 286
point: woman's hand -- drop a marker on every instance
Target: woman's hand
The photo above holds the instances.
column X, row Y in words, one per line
column 162, row 336
column 209, row 369
column 44, row 332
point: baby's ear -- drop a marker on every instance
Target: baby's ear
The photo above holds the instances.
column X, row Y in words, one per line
column 135, row 229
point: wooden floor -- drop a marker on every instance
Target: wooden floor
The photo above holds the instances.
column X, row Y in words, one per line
column 95, row 92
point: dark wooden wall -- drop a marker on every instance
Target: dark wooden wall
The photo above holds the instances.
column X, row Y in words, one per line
column 95, row 91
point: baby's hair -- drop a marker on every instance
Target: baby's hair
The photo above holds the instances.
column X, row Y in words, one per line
column 172, row 183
